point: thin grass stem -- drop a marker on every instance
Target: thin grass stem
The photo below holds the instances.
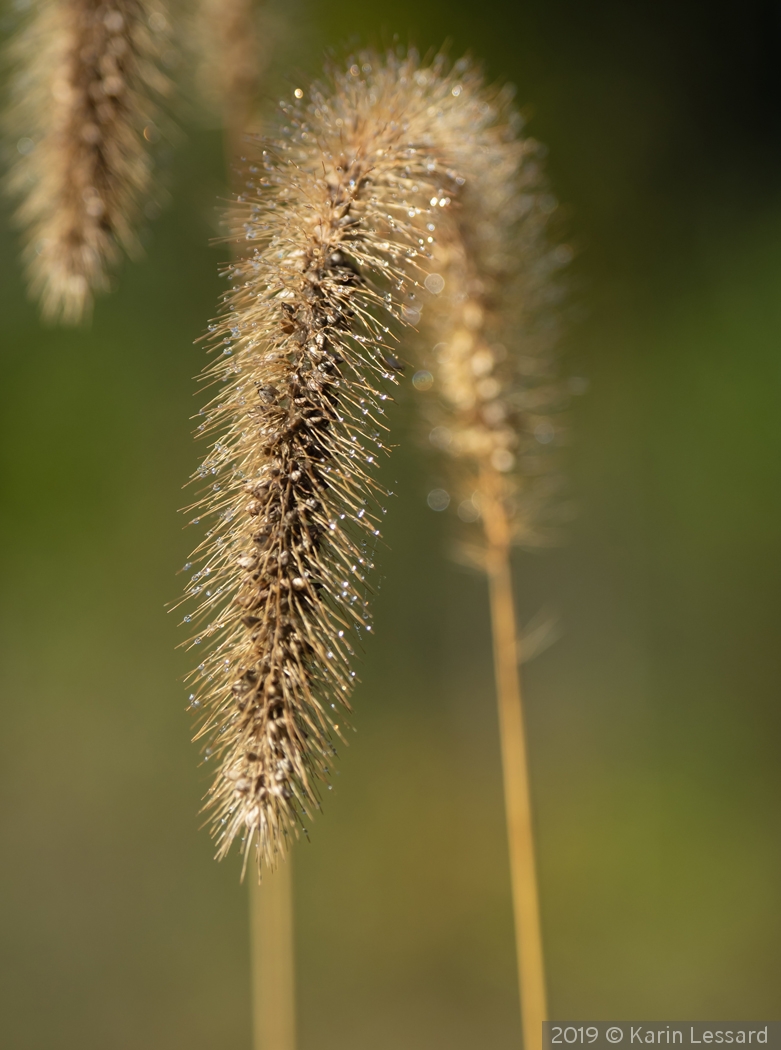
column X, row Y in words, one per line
column 520, row 832
column 273, row 959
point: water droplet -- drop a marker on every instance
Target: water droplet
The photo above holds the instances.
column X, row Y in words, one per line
column 544, row 432
column 502, row 459
column 438, row 499
column 423, row 380
column 467, row 511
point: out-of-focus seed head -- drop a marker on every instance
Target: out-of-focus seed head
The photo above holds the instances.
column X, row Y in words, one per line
column 493, row 396
column 84, row 111
column 230, row 42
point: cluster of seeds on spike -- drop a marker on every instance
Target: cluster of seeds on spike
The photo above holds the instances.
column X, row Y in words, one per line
column 497, row 399
column 297, row 558
column 281, row 579
column 230, row 54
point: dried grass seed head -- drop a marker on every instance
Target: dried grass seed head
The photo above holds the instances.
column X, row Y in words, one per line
column 492, row 325
column 229, row 41
column 84, row 100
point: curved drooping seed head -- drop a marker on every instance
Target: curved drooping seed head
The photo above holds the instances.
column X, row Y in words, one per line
column 229, row 40
column 340, row 234
column 83, row 105
column 495, row 397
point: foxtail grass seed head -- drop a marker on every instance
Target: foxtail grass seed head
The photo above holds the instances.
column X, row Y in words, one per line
column 230, row 43
column 84, row 109
column 339, row 234
column 490, row 371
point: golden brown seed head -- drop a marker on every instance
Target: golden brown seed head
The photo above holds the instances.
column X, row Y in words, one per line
column 83, row 109
column 495, row 399
column 230, row 43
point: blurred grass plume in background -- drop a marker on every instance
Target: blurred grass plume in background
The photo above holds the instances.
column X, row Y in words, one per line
column 231, row 43
column 84, row 108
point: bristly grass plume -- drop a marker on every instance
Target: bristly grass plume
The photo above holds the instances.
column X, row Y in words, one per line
column 230, row 44
column 340, row 234
column 84, row 97
column 492, row 326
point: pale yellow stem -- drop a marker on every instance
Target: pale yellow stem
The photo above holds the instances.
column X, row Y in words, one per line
column 520, row 833
column 273, row 964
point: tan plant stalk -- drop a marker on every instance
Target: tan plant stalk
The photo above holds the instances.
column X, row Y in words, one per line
column 520, row 832
column 273, row 959
column 84, row 105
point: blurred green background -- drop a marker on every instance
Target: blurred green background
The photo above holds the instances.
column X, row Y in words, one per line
column 654, row 722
